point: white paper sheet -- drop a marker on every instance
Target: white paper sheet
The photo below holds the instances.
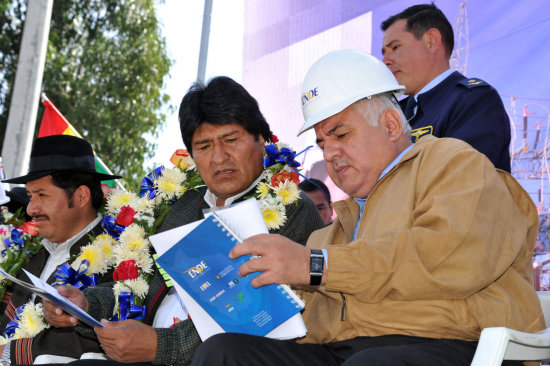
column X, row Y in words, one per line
column 50, row 294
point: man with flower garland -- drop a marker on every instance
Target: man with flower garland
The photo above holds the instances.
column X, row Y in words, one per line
column 433, row 245
column 226, row 134
column 65, row 194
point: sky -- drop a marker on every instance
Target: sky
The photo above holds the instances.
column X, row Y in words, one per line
column 181, row 25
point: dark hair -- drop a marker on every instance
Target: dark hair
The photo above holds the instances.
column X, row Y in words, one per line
column 420, row 19
column 221, row 101
column 71, row 180
column 312, row 184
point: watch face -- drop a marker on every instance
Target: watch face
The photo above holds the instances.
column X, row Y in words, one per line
column 316, row 265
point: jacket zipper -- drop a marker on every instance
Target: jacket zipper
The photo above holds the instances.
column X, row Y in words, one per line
column 343, row 312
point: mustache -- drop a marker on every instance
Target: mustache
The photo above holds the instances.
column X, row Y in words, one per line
column 338, row 162
column 40, row 217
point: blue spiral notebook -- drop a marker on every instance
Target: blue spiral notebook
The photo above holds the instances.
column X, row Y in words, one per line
column 200, row 264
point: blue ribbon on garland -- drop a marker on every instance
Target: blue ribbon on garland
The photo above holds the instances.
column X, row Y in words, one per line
column 283, row 156
column 14, row 324
column 149, row 182
column 66, row 275
column 127, row 309
column 111, row 227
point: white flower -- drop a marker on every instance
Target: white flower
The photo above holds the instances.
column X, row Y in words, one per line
column 288, row 191
column 263, row 190
column 132, row 233
column 32, row 321
column 273, row 214
column 119, row 198
column 142, row 204
column 138, row 287
column 170, row 184
column 95, row 255
column 134, row 241
column 141, row 257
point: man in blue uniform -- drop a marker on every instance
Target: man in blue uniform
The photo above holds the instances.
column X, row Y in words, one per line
column 417, row 46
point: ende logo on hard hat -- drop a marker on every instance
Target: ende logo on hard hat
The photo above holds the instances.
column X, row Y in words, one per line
column 308, row 96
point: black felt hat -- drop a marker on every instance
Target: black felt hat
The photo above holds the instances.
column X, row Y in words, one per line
column 59, row 153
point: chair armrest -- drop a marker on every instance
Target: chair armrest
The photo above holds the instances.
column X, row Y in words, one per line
column 499, row 343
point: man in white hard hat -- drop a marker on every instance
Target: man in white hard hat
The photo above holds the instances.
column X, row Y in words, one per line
column 434, row 244
column 417, row 46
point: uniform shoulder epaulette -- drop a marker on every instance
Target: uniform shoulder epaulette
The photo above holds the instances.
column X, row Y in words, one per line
column 472, row 82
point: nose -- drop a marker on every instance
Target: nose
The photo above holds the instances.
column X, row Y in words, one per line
column 387, row 60
column 330, row 151
column 219, row 154
column 32, row 208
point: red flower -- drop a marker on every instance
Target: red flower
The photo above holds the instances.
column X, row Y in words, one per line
column 274, row 139
column 284, row 176
column 125, row 216
column 29, row 228
column 126, row 270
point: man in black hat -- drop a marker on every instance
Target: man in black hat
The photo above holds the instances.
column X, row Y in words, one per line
column 65, row 194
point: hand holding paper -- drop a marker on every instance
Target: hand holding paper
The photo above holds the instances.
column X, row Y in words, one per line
column 281, row 260
column 56, row 316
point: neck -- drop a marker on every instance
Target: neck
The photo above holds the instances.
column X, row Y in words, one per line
column 435, row 70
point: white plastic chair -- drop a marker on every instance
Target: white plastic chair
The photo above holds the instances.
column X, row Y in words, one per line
column 499, row 343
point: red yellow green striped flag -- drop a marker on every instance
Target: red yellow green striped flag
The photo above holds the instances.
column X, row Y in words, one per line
column 54, row 123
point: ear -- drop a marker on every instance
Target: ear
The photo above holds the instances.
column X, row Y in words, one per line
column 392, row 124
column 82, row 196
column 432, row 40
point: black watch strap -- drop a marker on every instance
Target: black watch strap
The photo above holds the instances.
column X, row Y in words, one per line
column 316, row 267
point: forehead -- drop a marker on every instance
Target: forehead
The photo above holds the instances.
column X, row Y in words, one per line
column 397, row 31
column 210, row 131
column 40, row 183
column 346, row 118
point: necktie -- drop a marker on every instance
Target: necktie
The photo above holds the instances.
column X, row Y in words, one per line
column 409, row 109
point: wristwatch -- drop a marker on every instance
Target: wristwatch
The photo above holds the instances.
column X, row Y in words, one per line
column 316, row 267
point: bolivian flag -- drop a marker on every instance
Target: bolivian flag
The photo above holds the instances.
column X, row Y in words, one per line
column 54, row 123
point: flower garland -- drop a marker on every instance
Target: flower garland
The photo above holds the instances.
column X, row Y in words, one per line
column 19, row 242
column 132, row 218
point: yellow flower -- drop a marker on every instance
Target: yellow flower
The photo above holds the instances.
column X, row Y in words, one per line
column 119, row 198
column 95, row 255
column 31, row 322
column 288, row 191
column 274, row 218
column 170, row 184
column 106, row 243
column 263, row 189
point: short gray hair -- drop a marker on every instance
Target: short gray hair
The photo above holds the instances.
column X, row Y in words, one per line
column 372, row 108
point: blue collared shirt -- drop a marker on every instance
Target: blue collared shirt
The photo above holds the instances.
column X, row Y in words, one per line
column 432, row 84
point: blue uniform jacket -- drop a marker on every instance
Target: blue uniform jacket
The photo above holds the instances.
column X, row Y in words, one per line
column 467, row 109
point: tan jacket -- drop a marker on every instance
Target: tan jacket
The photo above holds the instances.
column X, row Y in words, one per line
column 444, row 250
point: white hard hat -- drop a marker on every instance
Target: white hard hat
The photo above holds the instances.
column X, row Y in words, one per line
column 341, row 78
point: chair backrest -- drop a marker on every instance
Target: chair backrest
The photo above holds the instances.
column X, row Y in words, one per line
column 544, row 297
